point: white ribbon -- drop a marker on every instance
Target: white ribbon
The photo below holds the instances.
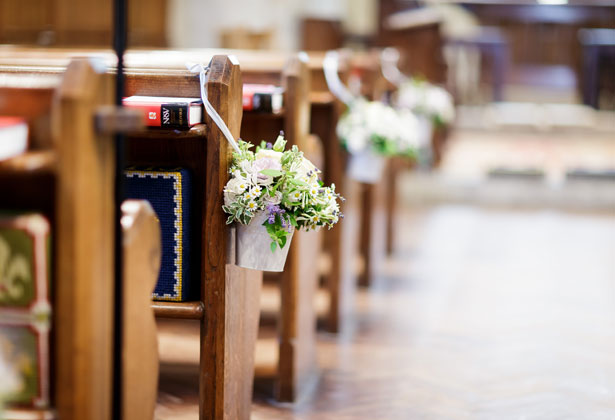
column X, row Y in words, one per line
column 336, row 86
column 198, row 68
column 390, row 71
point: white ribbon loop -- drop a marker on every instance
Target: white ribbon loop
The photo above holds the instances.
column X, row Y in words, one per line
column 336, row 86
column 198, row 68
column 390, row 71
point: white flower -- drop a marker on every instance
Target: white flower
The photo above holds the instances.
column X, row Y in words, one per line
column 236, row 185
column 269, row 154
column 255, row 191
column 357, row 141
column 440, row 103
column 263, row 163
column 314, row 189
column 306, row 171
column 229, row 198
column 275, row 199
column 295, row 196
column 427, row 99
column 410, row 130
column 249, row 196
column 251, row 205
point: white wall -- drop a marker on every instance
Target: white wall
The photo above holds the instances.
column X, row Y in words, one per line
column 197, row 23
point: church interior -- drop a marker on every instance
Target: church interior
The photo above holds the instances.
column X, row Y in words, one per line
column 307, row 210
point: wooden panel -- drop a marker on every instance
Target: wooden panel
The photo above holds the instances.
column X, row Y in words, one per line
column 84, row 268
column 230, row 295
column 416, row 33
column 297, row 361
column 321, row 34
column 142, row 255
column 23, row 21
column 83, row 22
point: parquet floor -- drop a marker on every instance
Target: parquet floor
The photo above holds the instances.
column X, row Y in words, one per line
column 480, row 315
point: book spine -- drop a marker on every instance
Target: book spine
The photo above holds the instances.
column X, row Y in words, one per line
column 174, row 115
column 255, row 101
column 248, row 103
column 165, row 115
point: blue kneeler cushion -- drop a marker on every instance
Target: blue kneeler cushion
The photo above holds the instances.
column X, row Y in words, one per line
column 168, row 191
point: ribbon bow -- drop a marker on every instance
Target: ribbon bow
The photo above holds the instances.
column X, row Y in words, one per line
column 336, row 86
column 203, row 74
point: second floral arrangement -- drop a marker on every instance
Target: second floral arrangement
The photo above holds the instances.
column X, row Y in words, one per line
column 378, row 128
column 278, row 190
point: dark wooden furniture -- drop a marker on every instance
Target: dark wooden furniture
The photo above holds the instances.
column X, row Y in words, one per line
column 493, row 45
column 68, row 176
column 85, row 22
column 296, row 322
column 228, row 307
column 545, row 37
column 375, row 199
column 598, row 62
column 229, row 303
column 340, row 245
column 321, row 34
column 416, row 34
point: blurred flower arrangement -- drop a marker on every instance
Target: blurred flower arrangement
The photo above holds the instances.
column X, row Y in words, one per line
column 427, row 99
column 379, row 128
column 283, row 186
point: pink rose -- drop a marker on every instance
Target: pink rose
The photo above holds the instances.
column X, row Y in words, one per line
column 265, row 163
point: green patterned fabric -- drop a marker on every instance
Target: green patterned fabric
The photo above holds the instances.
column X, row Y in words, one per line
column 16, row 266
column 25, row 309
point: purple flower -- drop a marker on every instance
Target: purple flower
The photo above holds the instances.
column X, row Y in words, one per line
column 269, row 146
column 271, row 219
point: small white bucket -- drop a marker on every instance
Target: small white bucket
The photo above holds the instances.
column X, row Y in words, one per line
column 366, row 167
column 425, row 131
column 425, row 149
column 253, row 246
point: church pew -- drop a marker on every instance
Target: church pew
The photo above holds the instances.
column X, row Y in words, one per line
column 228, row 308
column 296, row 365
column 340, row 244
column 416, row 33
column 376, row 199
column 67, row 175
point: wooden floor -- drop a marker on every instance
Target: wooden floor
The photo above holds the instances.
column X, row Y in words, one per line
column 481, row 314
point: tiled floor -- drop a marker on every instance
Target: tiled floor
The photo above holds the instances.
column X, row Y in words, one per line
column 480, row 315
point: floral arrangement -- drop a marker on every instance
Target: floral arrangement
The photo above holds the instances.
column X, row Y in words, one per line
column 376, row 126
column 427, row 99
column 283, row 184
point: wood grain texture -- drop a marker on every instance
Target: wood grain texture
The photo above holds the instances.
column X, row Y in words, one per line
column 142, row 255
column 84, row 263
column 416, row 33
column 179, row 310
column 296, row 365
column 229, row 295
column 87, row 22
column 339, row 279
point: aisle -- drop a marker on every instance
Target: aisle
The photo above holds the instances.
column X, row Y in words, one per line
column 481, row 315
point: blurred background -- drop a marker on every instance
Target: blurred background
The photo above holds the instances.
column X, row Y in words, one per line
column 501, row 286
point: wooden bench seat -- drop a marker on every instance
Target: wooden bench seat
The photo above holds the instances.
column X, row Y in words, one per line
column 228, row 308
